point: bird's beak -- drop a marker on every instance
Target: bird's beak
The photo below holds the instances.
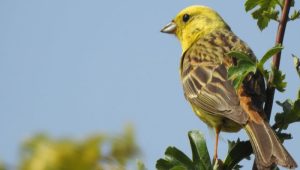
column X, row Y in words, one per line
column 170, row 28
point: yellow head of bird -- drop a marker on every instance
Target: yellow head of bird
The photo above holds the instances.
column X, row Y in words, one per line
column 192, row 23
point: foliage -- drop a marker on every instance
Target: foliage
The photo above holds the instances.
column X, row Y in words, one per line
column 123, row 147
column 176, row 160
column 297, row 64
column 43, row 153
column 295, row 15
column 290, row 114
column 263, row 11
column 234, row 155
column 97, row 152
column 246, row 65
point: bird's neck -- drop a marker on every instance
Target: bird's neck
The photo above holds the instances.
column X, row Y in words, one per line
column 190, row 35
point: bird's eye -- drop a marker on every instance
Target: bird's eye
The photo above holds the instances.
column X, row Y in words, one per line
column 185, row 17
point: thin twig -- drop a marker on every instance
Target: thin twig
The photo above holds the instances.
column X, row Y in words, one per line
column 276, row 61
column 276, row 58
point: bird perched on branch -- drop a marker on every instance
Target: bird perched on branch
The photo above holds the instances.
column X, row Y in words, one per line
column 206, row 39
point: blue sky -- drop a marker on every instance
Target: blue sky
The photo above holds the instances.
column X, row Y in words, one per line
column 73, row 68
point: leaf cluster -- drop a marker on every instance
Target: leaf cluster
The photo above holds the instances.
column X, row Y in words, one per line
column 266, row 10
column 246, row 65
column 290, row 113
column 263, row 11
column 97, row 152
column 176, row 160
column 297, row 64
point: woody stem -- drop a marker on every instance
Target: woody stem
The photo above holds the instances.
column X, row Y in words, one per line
column 276, row 58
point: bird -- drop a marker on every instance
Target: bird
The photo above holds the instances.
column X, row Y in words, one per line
column 206, row 39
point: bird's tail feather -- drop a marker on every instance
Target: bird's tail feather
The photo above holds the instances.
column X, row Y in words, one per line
column 267, row 147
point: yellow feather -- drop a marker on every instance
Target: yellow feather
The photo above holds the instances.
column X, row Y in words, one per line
column 203, row 20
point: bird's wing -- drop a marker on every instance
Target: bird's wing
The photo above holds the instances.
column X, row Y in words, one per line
column 207, row 87
column 205, row 82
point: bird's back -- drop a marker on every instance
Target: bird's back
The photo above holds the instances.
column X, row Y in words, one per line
column 211, row 50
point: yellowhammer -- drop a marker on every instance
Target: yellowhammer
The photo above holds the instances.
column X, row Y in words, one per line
column 206, row 39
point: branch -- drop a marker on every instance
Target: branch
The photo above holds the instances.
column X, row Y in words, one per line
column 276, row 58
column 276, row 62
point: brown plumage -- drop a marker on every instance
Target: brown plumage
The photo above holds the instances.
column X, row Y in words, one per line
column 206, row 39
column 204, row 76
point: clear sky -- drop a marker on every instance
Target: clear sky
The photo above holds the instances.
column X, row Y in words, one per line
column 73, row 68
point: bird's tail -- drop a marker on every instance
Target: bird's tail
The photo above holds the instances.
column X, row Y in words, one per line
column 267, row 147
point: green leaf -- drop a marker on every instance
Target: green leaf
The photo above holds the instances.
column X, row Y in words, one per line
column 218, row 165
column 163, row 164
column 272, row 14
column 235, row 155
column 199, row 149
column 268, row 55
column 290, row 114
column 173, row 158
column 292, row 3
column 241, row 56
column 264, row 12
column 176, row 160
column 284, row 136
column 237, row 167
column 297, row 64
column 278, row 81
column 241, row 69
column 245, row 65
column 295, row 15
column 280, row 3
column 250, row 4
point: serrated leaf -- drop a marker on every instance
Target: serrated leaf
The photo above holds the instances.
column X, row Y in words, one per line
column 297, row 64
column 176, row 160
column 290, row 114
column 295, row 15
column 175, row 154
column 274, row 50
column 292, row 3
column 278, row 81
column 234, row 155
column 262, row 13
column 163, row 164
column 250, row 4
column 284, row 136
column 201, row 157
column 238, row 73
column 241, row 56
column 272, row 14
column 244, row 66
column 237, row 167
column 241, row 69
